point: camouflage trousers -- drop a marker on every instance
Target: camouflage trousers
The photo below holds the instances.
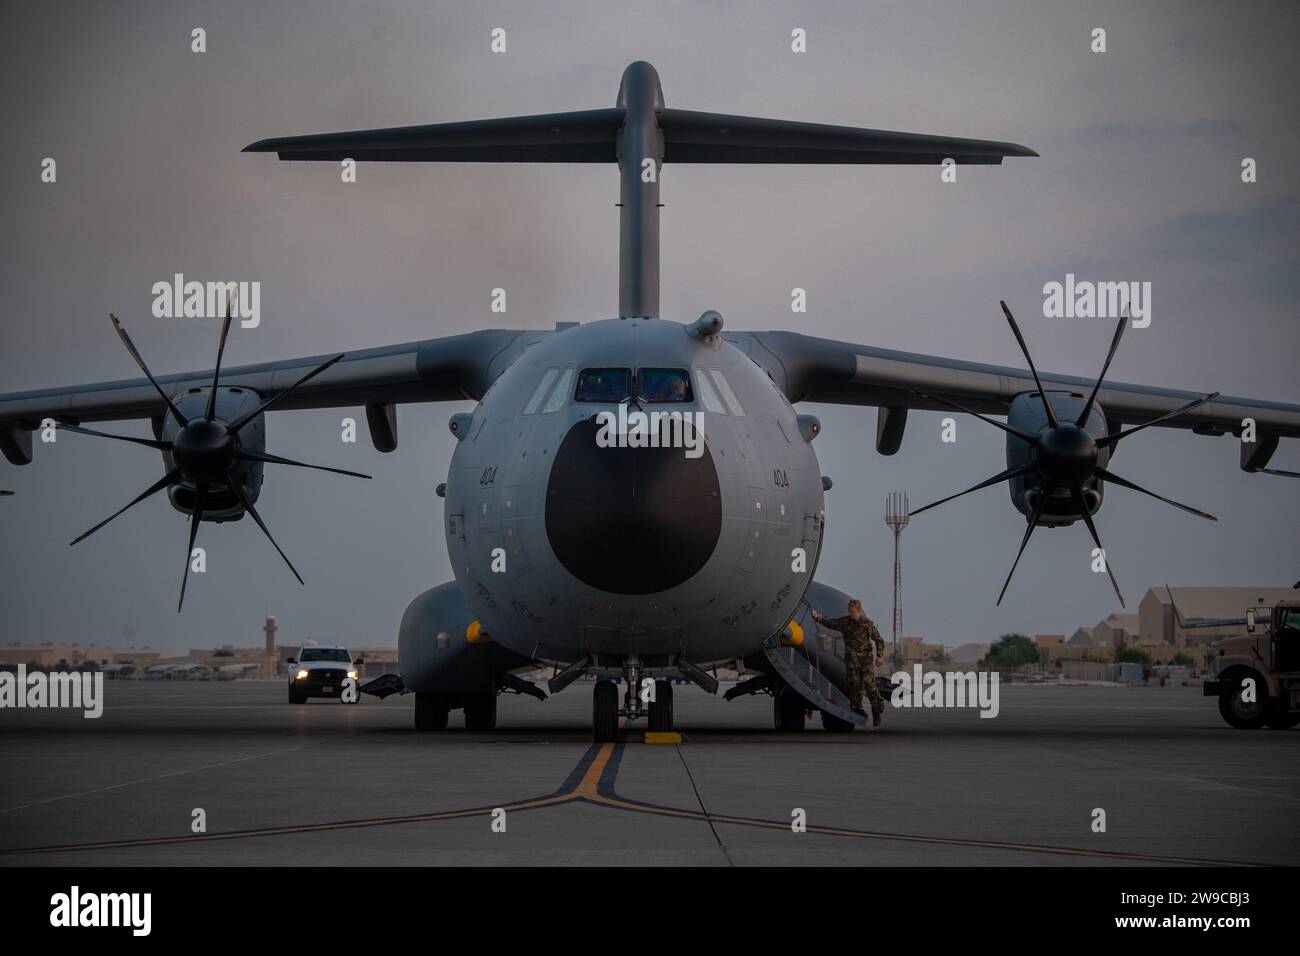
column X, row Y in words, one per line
column 862, row 676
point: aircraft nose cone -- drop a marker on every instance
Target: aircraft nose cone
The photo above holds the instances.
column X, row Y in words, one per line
column 631, row 520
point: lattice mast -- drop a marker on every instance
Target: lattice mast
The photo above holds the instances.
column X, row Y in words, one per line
column 896, row 517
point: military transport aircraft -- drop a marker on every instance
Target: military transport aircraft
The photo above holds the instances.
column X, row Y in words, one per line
column 636, row 560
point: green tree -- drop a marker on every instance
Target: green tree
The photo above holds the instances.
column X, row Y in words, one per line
column 1127, row 654
column 1011, row 651
column 1184, row 660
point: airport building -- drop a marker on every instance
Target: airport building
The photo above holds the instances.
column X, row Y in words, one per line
column 915, row 650
column 1157, row 623
column 51, row 655
column 967, row 656
column 1115, row 630
column 220, row 663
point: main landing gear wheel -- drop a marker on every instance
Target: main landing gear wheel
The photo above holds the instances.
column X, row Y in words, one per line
column 431, row 712
column 789, row 712
column 604, row 711
column 835, row 725
column 661, row 708
column 481, row 711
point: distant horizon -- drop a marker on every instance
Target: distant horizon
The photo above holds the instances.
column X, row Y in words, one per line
column 880, row 622
column 1138, row 179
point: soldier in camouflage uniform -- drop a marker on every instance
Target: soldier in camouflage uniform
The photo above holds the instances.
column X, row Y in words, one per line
column 859, row 660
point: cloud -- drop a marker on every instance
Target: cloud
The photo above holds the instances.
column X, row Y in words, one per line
column 1214, row 127
column 1267, row 230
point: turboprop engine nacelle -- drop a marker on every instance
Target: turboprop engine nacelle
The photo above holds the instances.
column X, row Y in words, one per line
column 221, row 504
column 1027, row 413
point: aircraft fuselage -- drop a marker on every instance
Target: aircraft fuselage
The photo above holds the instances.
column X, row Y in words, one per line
column 565, row 549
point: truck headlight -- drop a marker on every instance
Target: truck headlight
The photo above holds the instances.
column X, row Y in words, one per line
column 302, row 675
column 352, row 674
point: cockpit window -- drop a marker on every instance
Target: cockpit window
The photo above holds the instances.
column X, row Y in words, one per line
column 324, row 654
column 561, row 393
column 663, row 385
column 604, row 385
column 708, row 397
column 724, row 389
column 547, row 378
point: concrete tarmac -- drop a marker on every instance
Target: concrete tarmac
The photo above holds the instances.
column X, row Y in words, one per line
column 328, row 784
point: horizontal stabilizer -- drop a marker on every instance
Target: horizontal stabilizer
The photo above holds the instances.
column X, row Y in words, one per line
column 693, row 137
column 591, row 136
column 586, row 136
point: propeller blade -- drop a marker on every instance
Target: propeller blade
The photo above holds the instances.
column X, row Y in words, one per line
column 277, row 460
column 1007, row 427
column 245, row 419
column 1077, row 493
column 1267, row 471
column 156, row 487
column 1114, row 344
column 1004, row 476
column 221, row 348
column 147, row 442
column 1033, row 523
column 130, row 347
column 200, row 497
column 1015, row 330
column 1110, row 476
column 1111, row 439
column 238, row 489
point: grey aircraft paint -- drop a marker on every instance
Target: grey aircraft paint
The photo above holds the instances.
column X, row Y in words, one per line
column 619, row 562
column 768, row 488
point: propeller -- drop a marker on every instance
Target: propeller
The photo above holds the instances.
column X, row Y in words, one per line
column 1064, row 455
column 205, row 450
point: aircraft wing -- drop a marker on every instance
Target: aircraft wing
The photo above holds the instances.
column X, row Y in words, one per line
column 840, row 373
column 453, row 368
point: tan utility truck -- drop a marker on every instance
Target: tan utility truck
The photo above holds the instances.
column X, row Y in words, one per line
column 1258, row 673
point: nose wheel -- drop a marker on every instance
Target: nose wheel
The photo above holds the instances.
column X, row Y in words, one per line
column 604, row 711
column 661, row 708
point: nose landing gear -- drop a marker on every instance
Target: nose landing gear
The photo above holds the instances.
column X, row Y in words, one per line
column 661, row 708
column 605, row 709
column 604, row 712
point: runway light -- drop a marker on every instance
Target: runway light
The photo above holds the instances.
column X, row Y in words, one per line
column 302, row 675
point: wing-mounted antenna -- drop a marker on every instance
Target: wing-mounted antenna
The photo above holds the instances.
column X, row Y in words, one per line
column 640, row 134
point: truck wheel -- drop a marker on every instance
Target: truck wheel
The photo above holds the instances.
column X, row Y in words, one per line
column 481, row 711
column 604, row 711
column 296, row 698
column 1238, row 713
column 661, row 708
column 789, row 712
column 431, row 712
column 1280, row 719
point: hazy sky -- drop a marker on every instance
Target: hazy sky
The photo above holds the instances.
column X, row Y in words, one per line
column 1138, row 180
